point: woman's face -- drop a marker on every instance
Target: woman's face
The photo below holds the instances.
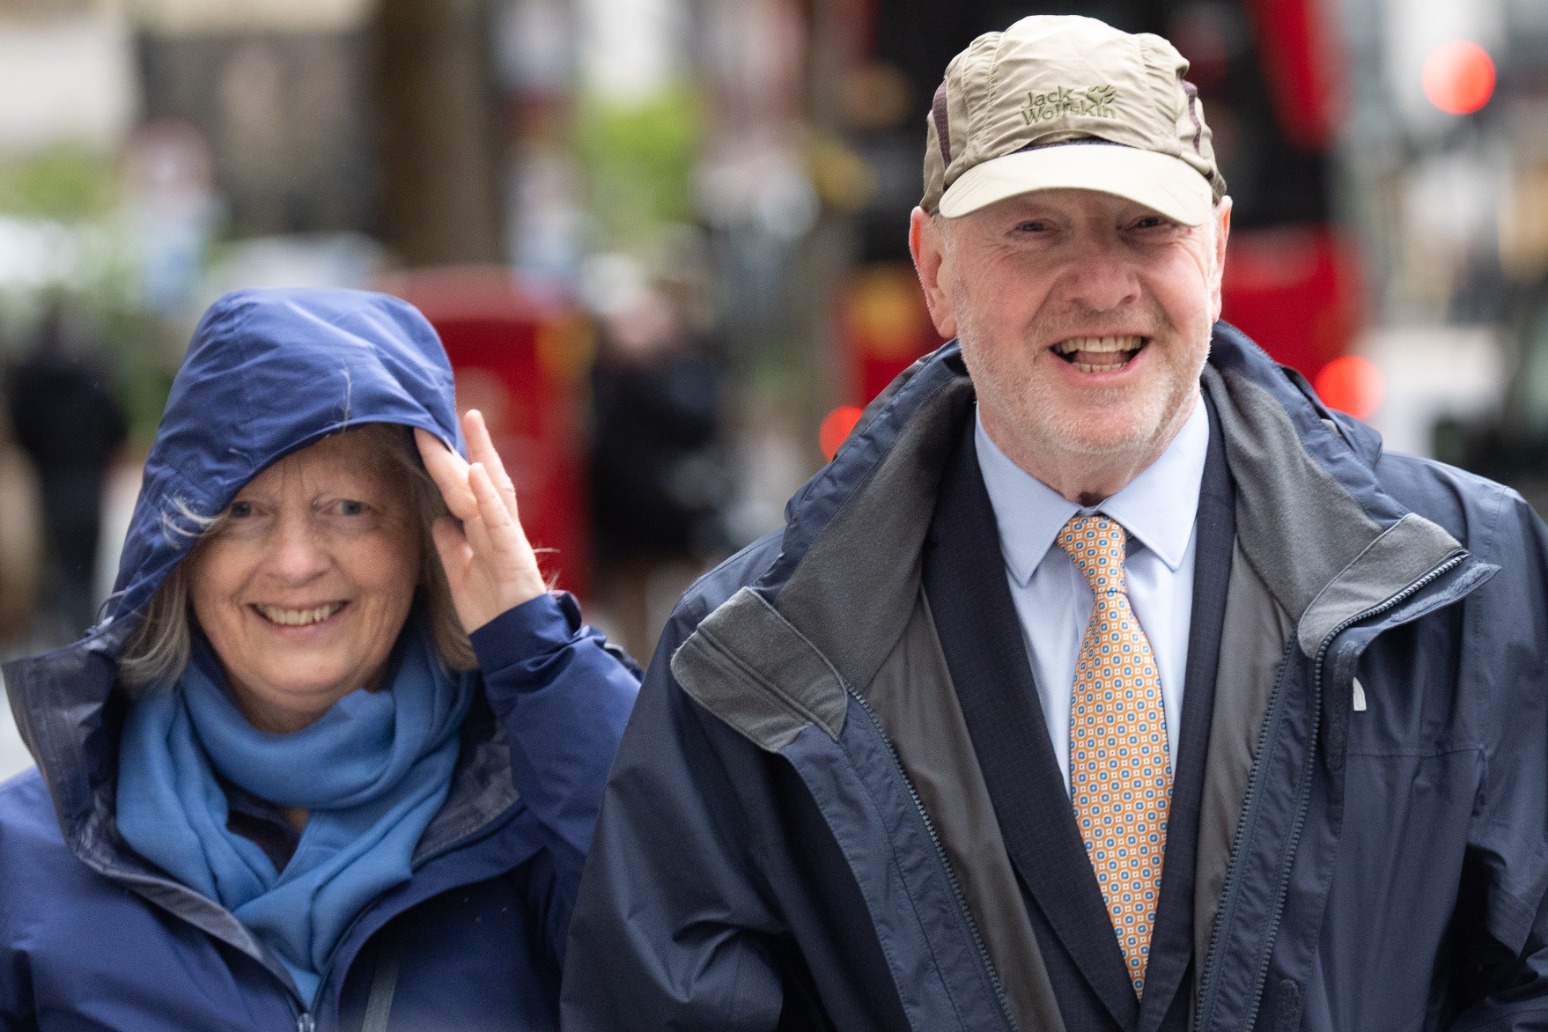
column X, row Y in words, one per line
column 303, row 588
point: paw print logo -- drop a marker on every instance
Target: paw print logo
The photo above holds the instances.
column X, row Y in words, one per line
column 1100, row 100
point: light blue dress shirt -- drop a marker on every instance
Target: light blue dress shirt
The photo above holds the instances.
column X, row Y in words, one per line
column 1053, row 600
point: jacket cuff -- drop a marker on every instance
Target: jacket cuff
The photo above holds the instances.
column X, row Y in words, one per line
column 528, row 632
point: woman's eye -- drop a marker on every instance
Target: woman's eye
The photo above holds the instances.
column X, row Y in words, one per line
column 350, row 507
column 240, row 510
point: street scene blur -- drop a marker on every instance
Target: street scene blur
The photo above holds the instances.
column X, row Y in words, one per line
column 664, row 241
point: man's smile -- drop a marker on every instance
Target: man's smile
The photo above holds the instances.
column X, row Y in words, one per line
column 1099, row 354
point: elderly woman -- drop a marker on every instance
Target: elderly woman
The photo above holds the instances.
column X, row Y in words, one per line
column 332, row 759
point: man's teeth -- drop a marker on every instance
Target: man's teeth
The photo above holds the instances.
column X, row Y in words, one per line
column 299, row 617
column 1074, row 344
column 1115, row 352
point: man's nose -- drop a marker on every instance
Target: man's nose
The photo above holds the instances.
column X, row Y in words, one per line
column 1100, row 277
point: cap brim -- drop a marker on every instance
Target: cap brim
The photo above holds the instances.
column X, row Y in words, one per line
column 1158, row 181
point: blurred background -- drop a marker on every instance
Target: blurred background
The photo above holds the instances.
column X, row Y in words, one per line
column 665, row 240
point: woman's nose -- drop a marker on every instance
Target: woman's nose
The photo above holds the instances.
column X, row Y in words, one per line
column 298, row 551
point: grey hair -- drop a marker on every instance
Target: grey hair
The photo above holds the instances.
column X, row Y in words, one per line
column 158, row 649
column 183, row 522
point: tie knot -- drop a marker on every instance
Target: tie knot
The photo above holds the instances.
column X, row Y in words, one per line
column 1095, row 544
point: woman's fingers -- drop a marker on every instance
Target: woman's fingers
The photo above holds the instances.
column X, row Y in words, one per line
column 481, row 448
column 450, row 473
column 491, row 501
column 498, row 534
column 489, row 563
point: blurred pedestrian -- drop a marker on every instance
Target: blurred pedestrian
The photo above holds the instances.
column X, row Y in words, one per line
column 658, row 480
column 1105, row 679
column 332, row 758
column 68, row 420
column 21, row 538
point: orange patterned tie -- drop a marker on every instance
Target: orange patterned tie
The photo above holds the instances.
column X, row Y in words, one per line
column 1120, row 771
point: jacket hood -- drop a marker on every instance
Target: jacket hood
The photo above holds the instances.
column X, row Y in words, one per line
column 269, row 372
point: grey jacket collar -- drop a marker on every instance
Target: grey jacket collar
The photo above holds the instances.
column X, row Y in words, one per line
column 1328, row 543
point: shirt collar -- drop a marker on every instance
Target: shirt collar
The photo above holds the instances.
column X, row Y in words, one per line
column 1157, row 507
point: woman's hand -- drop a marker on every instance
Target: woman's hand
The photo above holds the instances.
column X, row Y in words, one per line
column 489, row 564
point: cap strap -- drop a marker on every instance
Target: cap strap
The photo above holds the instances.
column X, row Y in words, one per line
column 1193, row 113
column 942, row 125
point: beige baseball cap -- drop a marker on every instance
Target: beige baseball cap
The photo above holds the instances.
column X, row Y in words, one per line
column 1062, row 101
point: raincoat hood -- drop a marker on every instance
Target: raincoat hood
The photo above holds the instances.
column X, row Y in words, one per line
column 267, row 373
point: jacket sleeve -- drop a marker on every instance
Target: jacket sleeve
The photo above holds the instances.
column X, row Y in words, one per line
column 1503, row 974
column 562, row 694
column 672, row 930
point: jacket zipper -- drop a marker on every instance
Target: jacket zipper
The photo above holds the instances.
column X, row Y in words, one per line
column 1303, row 796
column 1249, row 803
column 1303, row 800
column 484, row 830
column 940, row 853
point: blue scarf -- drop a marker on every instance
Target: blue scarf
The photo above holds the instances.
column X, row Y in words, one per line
column 372, row 771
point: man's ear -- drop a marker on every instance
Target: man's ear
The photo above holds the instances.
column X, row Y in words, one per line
column 1222, row 233
column 929, row 251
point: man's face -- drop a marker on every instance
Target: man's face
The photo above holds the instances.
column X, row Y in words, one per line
column 1084, row 320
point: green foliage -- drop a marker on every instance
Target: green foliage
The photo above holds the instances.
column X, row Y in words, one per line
column 64, row 181
column 639, row 161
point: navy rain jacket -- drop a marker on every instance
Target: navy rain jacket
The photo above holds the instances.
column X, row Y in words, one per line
column 774, row 850
column 92, row 937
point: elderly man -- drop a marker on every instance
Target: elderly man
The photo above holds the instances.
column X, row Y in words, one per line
column 1105, row 679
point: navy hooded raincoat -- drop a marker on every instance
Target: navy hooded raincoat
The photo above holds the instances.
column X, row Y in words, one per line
column 92, row 937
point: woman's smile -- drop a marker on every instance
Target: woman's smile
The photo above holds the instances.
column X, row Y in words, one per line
column 299, row 617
